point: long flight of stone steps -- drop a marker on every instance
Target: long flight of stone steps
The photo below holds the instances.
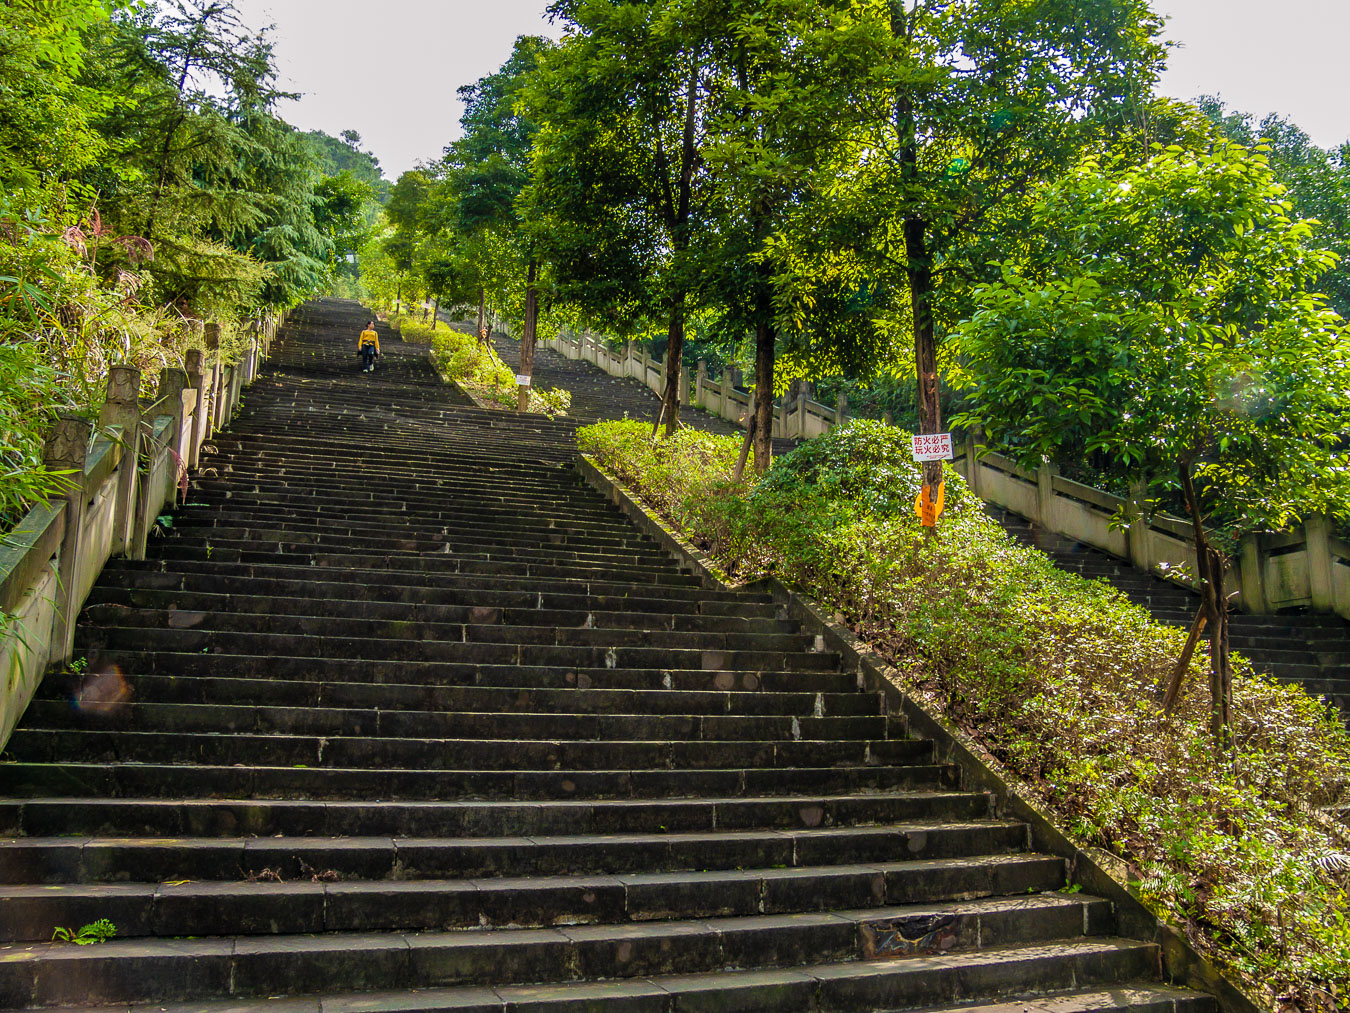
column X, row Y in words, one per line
column 1309, row 648
column 400, row 716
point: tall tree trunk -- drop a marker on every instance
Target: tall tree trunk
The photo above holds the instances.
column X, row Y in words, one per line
column 527, row 335
column 920, row 278
column 680, row 236
column 482, row 316
column 670, row 402
column 765, row 340
column 435, row 312
column 741, row 458
column 1211, row 567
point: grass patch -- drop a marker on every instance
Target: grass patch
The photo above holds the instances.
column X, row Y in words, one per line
column 462, row 359
column 1057, row 677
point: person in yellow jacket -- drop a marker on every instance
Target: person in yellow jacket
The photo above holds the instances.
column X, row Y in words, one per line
column 368, row 347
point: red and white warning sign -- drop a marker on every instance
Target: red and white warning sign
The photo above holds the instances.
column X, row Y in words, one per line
column 933, row 447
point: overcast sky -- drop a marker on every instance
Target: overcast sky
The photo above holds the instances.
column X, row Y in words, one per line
column 389, row 69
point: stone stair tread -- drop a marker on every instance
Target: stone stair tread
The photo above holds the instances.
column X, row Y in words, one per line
column 140, row 969
column 202, row 907
column 393, row 727
column 838, row 986
column 385, row 857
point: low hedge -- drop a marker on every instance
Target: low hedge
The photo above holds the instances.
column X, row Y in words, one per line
column 463, row 360
column 1057, row 677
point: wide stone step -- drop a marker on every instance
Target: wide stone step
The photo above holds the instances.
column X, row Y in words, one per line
column 76, row 859
column 165, row 969
column 482, row 626
column 412, row 561
column 46, row 817
column 110, row 663
column 321, row 902
column 801, row 990
column 110, row 599
column 98, row 693
column 450, row 588
column 375, row 722
column 151, row 780
column 394, row 585
column 600, row 653
column 34, row 744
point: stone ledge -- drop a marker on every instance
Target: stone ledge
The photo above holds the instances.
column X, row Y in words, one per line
column 1097, row 872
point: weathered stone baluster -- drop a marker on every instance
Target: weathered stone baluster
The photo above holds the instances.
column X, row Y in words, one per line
column 121, row 409
column 65, row 451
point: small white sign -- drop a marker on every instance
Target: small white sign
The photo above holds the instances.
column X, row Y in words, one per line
column 933, row 447
column 522, row 381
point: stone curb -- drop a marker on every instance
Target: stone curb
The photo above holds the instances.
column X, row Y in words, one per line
column 1097, row 872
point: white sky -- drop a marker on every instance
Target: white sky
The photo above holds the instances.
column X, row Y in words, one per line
column 1262, row 56
column 389, row 69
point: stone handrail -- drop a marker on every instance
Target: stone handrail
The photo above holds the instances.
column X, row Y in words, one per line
column 800, row 419
column 1307, row 567
column 50, row 561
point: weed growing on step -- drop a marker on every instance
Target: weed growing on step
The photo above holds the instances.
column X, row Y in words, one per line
column 88, row 935
column 1057, row 677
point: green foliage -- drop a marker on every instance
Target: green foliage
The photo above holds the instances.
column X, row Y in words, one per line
column 1163, row 319
column 462, row 360
column 334, row 156
column 95, row 932
column 145, row 181
column 1056, row 676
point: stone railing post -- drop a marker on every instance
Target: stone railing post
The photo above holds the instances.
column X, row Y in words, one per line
column 1045, row 493
column 700, row 380
column 1137, row 537
column 212, row 340
column 122, row 409
column 1253, row 577
column 172, row 383
column 724, row 409
column 65, row 450
column 193, row 436
column 1321, row 584
column 841, row 409
column 683, row 392
column 973, row 461
column 802, row 400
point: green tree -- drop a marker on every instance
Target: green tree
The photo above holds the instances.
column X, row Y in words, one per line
column 619, row 184
column 1318, row 180
column 1159, row 320
column 964, row 107
column 47, row 117
column 485, row 172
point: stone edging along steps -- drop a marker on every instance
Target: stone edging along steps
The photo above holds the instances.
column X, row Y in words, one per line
column 404, row 716
column 1310, row 648
column 1093, row 870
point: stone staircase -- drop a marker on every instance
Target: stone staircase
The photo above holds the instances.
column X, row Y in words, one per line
column 400, row 716
column 1305, row 647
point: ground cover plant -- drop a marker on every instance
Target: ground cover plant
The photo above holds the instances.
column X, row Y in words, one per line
column 1058, row 678
column 474, row 366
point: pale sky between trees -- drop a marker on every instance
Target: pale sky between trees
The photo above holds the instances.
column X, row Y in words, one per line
column 389, row 69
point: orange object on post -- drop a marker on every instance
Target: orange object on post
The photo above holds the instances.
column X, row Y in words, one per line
column 928, row 508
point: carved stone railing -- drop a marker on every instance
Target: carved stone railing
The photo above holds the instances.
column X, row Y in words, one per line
column 52, row 557
column 1308, row 567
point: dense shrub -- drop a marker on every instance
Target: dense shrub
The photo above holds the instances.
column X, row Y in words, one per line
column 462, row 359
column 1057, row 677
